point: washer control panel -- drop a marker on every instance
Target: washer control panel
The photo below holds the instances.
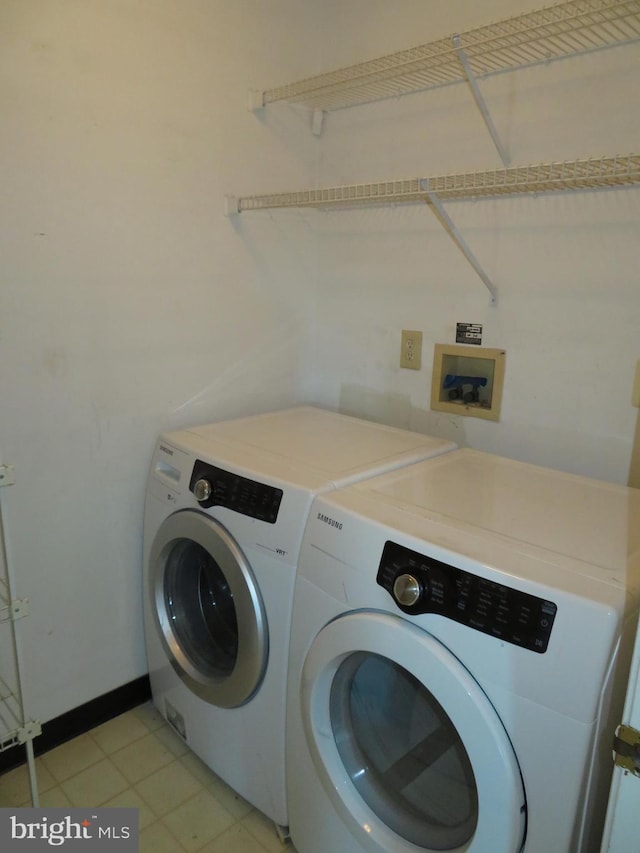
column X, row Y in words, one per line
column 216, row 487
column 420, row 584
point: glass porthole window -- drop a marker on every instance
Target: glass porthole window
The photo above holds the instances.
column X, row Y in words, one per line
column 403, row 753
column 408, row 747
column 201, row 608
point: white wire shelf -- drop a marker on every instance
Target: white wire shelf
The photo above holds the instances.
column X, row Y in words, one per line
column 593, row 173
column 553, row 32
column 589, row 174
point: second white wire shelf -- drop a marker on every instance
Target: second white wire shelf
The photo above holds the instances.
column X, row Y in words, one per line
column 591, row 173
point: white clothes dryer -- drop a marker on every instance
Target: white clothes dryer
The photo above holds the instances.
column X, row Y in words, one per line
column 460, row 641
column 225, row 512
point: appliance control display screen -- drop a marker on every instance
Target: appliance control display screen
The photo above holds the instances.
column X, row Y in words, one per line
column 420, row 584
column 248, row 497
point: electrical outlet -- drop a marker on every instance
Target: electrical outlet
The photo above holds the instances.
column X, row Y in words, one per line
column 411, row 349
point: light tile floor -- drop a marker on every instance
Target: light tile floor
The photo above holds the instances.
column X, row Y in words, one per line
column 136, row 760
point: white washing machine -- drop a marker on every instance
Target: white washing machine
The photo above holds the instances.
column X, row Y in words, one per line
column 225, row 512
column 460, row 640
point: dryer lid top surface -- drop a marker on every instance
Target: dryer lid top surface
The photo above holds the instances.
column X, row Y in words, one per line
column 576, row 517
column 336, row 447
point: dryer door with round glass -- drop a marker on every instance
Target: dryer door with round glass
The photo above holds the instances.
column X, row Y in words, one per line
column 406, row 743
column 208, row 609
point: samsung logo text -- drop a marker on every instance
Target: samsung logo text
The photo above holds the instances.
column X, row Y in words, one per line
column 330, row 521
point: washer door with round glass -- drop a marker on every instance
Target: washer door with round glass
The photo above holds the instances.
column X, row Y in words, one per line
column 407, row 745
column 208, row 609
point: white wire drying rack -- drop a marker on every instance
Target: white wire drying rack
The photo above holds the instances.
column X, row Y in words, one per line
column 15, row 728
column 553, row 32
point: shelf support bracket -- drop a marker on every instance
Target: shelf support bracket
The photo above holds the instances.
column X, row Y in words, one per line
column 231, row 206
column 480, row 102
column 317, row 121
column 256, row 100
column 256, row 104
column 19, row 608
column 7, row 475
column 457, row 238
column 15, row 609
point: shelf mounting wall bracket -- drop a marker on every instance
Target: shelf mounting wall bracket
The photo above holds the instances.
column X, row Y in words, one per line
column 457, row 238
column 480, row 102
column 256, row 103
column 231, row 205
column 7, row 475
column 317, row 121
column 19, row 608
column 256, row 100
column 15, row 609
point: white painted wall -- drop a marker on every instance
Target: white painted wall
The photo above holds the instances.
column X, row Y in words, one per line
column 128, row 302
column 566, row 266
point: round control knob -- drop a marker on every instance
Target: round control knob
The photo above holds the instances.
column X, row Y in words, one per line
column 407, row 590
column 202, row 490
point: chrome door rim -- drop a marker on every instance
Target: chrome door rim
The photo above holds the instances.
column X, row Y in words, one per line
column 242, row 682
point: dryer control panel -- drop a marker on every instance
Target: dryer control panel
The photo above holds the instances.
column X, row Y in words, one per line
column 216, row 487
column 421, row 584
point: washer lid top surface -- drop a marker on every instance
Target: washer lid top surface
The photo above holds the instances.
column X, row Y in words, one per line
column 575, row 517
column 334, row 448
